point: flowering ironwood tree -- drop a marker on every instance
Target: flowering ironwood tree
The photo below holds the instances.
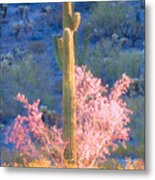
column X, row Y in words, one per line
column 33, row 138
column 102, row 123
column 102, row 117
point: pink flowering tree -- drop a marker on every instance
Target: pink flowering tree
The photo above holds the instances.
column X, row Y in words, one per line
column 102, row 123
column 33, row 138
column 102, row 117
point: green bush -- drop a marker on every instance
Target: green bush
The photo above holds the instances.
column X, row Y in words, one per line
column 109, row 16
column 122, row 18
column 30, row 78
column 128, row 62
column 36, row 47
column 136, row 146
column 109, row 62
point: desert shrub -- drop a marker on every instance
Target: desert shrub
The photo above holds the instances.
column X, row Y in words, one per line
column 122, row 18
column 110, row 65
column 99, row 53
column 24, row 12
column 127, row 164
column 136, row 146
column 52, row 15
column 4, row 10
column 19, row 52
column 48, row 11
column 104, row 13
column 17, row 28
column 6, row 57
column 111, row 164
column 36, row 47
column 28, row 77
column 137, row 126
column 10, row 158
column 129, row 62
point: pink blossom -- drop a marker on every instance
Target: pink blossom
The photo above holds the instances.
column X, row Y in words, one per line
column 32, row 137
column 102, row 116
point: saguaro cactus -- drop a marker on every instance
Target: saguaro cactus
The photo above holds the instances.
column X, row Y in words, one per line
column 65, row 56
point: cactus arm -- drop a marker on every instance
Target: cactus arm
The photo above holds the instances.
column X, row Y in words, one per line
column 76, row 21
column 76, row 47
column 56, row 52
column 60, row 48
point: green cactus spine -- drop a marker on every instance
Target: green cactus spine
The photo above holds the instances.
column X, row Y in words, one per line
column 56, row 52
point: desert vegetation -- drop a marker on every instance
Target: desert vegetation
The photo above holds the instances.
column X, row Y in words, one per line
column 79, row 73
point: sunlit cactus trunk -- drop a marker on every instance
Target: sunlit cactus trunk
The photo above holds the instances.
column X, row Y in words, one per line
column 65, row 57
column 69, row 114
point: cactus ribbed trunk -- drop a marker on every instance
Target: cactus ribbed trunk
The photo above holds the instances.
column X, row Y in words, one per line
column 65, row 57
column 69, row 113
